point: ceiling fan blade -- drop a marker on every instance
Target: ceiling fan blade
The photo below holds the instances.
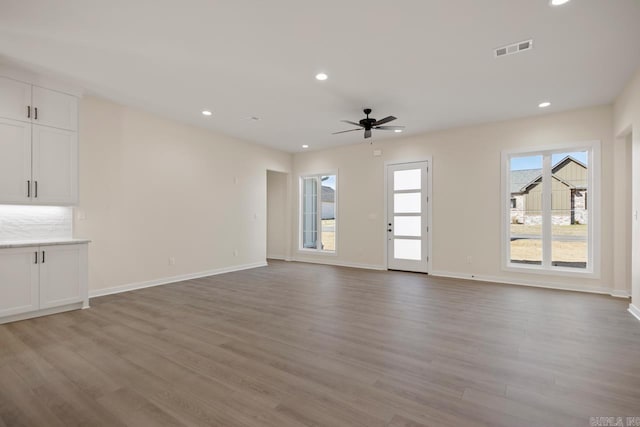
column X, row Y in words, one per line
column 385, row 120
column 390, row 127
column 367, row 133
column 350, row 130
column 351, row 123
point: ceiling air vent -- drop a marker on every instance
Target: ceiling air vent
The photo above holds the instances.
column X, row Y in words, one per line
column 514, row 48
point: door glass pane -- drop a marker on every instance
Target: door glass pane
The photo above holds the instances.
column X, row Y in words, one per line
column 407, row 226
column 407, row 179
column 525, row 206
column 407, row 249
column 309, row 213
column 569, row 209
column 406, row 203
column 328, row 235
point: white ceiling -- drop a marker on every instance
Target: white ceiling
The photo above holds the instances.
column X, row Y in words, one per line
column 428, row 62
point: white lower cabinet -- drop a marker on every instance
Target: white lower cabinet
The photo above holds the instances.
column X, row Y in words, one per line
column 19, row 285
column 40, row 280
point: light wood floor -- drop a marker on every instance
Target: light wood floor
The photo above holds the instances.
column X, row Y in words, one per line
column 310, row 345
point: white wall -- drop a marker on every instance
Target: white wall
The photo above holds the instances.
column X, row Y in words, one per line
column 277, row 215
column 152, row 188
column 627, row 127
column 466, row 193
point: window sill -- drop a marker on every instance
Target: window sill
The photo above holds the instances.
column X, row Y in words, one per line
column 554, row 271
column 316, row 251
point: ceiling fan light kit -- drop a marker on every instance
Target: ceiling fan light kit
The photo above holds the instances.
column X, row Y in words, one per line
column 369, row 123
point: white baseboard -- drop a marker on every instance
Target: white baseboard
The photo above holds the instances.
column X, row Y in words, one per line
column 620, row 294
column 43, row 312
column 174, row 279
column 280, row 257
column 340, row 263
column 634, row 310
column 511, row 281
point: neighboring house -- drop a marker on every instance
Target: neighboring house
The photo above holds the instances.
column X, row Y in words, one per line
column 328, row 203
column 568, row 199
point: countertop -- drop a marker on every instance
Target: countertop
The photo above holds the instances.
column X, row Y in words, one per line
column 43, row 242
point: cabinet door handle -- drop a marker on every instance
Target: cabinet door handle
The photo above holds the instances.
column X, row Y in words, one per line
column 28, row 111
column 35, row 113
column 36, row 189
column 36, row 258
column 28, row 189
column 43, row 257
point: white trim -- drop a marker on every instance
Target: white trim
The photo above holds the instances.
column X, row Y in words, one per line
column 340, row 263
column 594, row 232
column 429, row 161
column 166, row 280
column 512, row 281
column 278, row 256
column 620, row 294
column 44, row 312
column 300, row 246
column 635, row 311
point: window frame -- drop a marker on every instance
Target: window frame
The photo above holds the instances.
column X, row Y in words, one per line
column 594, row 225
column 318, row 249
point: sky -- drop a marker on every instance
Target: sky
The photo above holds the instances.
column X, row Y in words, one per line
column 535, row 162
column 330, row 182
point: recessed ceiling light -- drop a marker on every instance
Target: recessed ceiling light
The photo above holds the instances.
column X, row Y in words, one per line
column 544, row 104
column 206, row 113
column 398, row 130
column 305, row 146
column 558, row 2
column 321, row 76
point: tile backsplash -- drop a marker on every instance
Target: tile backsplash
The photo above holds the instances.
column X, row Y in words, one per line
column 35, row 222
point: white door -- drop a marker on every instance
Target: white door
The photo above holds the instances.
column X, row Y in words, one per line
column 55, row 166
column 18, row 281
column 15, row 162
column 407, row 219
column 15, row 100
column 59, row 275
column 57, row 109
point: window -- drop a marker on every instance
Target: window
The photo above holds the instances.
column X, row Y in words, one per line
column 548, row 224
column 318, row 212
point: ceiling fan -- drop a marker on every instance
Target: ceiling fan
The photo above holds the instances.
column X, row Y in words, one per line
column 370, row 123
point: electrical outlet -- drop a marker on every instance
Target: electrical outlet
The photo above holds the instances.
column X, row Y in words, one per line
column 172, row 260
column 235, row 252
column 469, row 259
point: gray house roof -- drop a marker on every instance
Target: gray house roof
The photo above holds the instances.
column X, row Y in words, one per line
column 521, row 178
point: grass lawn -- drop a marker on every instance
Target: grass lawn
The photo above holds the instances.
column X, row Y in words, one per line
column 531, row 249
column 557, row 230
column 328, row 234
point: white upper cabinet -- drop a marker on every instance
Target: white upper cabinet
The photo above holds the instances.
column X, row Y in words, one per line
column 15, row 100
column 38, row 145
column 55, row 165
column 56, row 109
column 15, row 161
